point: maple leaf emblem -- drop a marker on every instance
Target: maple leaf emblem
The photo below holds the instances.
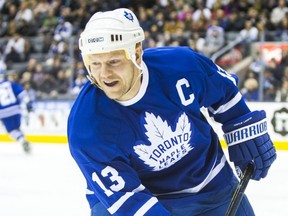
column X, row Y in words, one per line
column 167, row 146
column 128, row 16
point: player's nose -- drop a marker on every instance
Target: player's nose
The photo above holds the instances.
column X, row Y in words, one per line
column 105, row 71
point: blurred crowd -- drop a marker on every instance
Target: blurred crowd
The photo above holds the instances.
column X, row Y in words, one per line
column 39, row 39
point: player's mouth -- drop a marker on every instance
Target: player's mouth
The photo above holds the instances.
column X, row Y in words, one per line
column 111, row 84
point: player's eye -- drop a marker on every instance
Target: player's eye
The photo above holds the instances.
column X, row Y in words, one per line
column 94, row 64
column 114, row 62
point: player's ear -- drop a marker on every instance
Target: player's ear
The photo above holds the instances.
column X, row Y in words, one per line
column 138, row 53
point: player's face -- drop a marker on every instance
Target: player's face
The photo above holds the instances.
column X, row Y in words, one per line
column 117, row 76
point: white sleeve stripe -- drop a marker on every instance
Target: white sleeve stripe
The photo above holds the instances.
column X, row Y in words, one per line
column 123, row 199
column 119, row 202
column 140, row 188
column 89, row 192
column 223, row 108
column 9, row 111
column 213, row 172
column 152, row 201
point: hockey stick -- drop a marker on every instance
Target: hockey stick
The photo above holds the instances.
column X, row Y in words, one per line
column 239, row 192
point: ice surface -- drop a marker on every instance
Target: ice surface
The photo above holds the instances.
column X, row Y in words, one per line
column 49, row 183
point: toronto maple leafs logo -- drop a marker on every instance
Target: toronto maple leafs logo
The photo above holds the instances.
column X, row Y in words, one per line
column 167, row 146
column 129, row 16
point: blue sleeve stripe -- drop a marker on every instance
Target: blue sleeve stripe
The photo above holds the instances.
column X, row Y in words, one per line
column 223, row 108
column 123, row 199
column 151, row 202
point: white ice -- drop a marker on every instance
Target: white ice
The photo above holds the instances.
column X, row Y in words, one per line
column 49, row 183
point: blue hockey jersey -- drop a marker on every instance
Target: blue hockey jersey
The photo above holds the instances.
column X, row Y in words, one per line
column 142, row 154
column 11, row 96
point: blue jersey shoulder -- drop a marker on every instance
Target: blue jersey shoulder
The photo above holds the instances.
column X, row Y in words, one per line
column 180, row 61
column 94, row 126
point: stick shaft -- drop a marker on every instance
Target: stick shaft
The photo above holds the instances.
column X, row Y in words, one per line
column 239, row 192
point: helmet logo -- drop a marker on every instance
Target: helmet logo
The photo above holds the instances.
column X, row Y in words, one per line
column 129, row 16
column 95, row 40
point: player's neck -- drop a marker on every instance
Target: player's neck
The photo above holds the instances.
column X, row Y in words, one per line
column 134, row 89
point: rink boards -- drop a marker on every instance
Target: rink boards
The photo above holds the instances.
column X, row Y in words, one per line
column 48, row 123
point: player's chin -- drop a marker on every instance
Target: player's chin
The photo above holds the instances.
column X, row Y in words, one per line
column 112, row 94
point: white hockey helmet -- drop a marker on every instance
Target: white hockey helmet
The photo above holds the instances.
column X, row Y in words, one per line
column 110, row 31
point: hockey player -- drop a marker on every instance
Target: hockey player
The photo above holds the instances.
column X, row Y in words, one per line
column 139, row 136
column 12, row 98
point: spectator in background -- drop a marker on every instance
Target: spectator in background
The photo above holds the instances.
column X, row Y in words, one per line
column 79, row 78
column 201, row 12
column 49, row 22
column 276, row 70
column 282, row 92
column 249, row 33
column 30, row 91
column 154, row 33
column 281, row 66
column 63, row 30
column 285, row 75
column 250, row 91
column 9, row 10
column 268, row 85
column 262, row 32
column 58, row 47
column 214, row 39
column 13, row 76
column 26, row 77
column 172, row 25
column 185, row 15
column 220, row 16
column 48, row 87
column 282, row 31
column 41, row 11
column 26, row 29
column 62, row 82
column 47, row 41
column 278, row 13
column 80, row 15
column 257, row 65
column 16, row 49
column 145, row 19
column 12, row 28
column 3, row 26
column 253, row 15
column 234, row 22
column 38, row 75
column 24, row 19
column 54, row 65
column 31, row 66
column 24, row 12
column 197, row 42
column 79, row 82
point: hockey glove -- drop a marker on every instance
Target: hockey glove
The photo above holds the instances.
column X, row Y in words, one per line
column 248, row 141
